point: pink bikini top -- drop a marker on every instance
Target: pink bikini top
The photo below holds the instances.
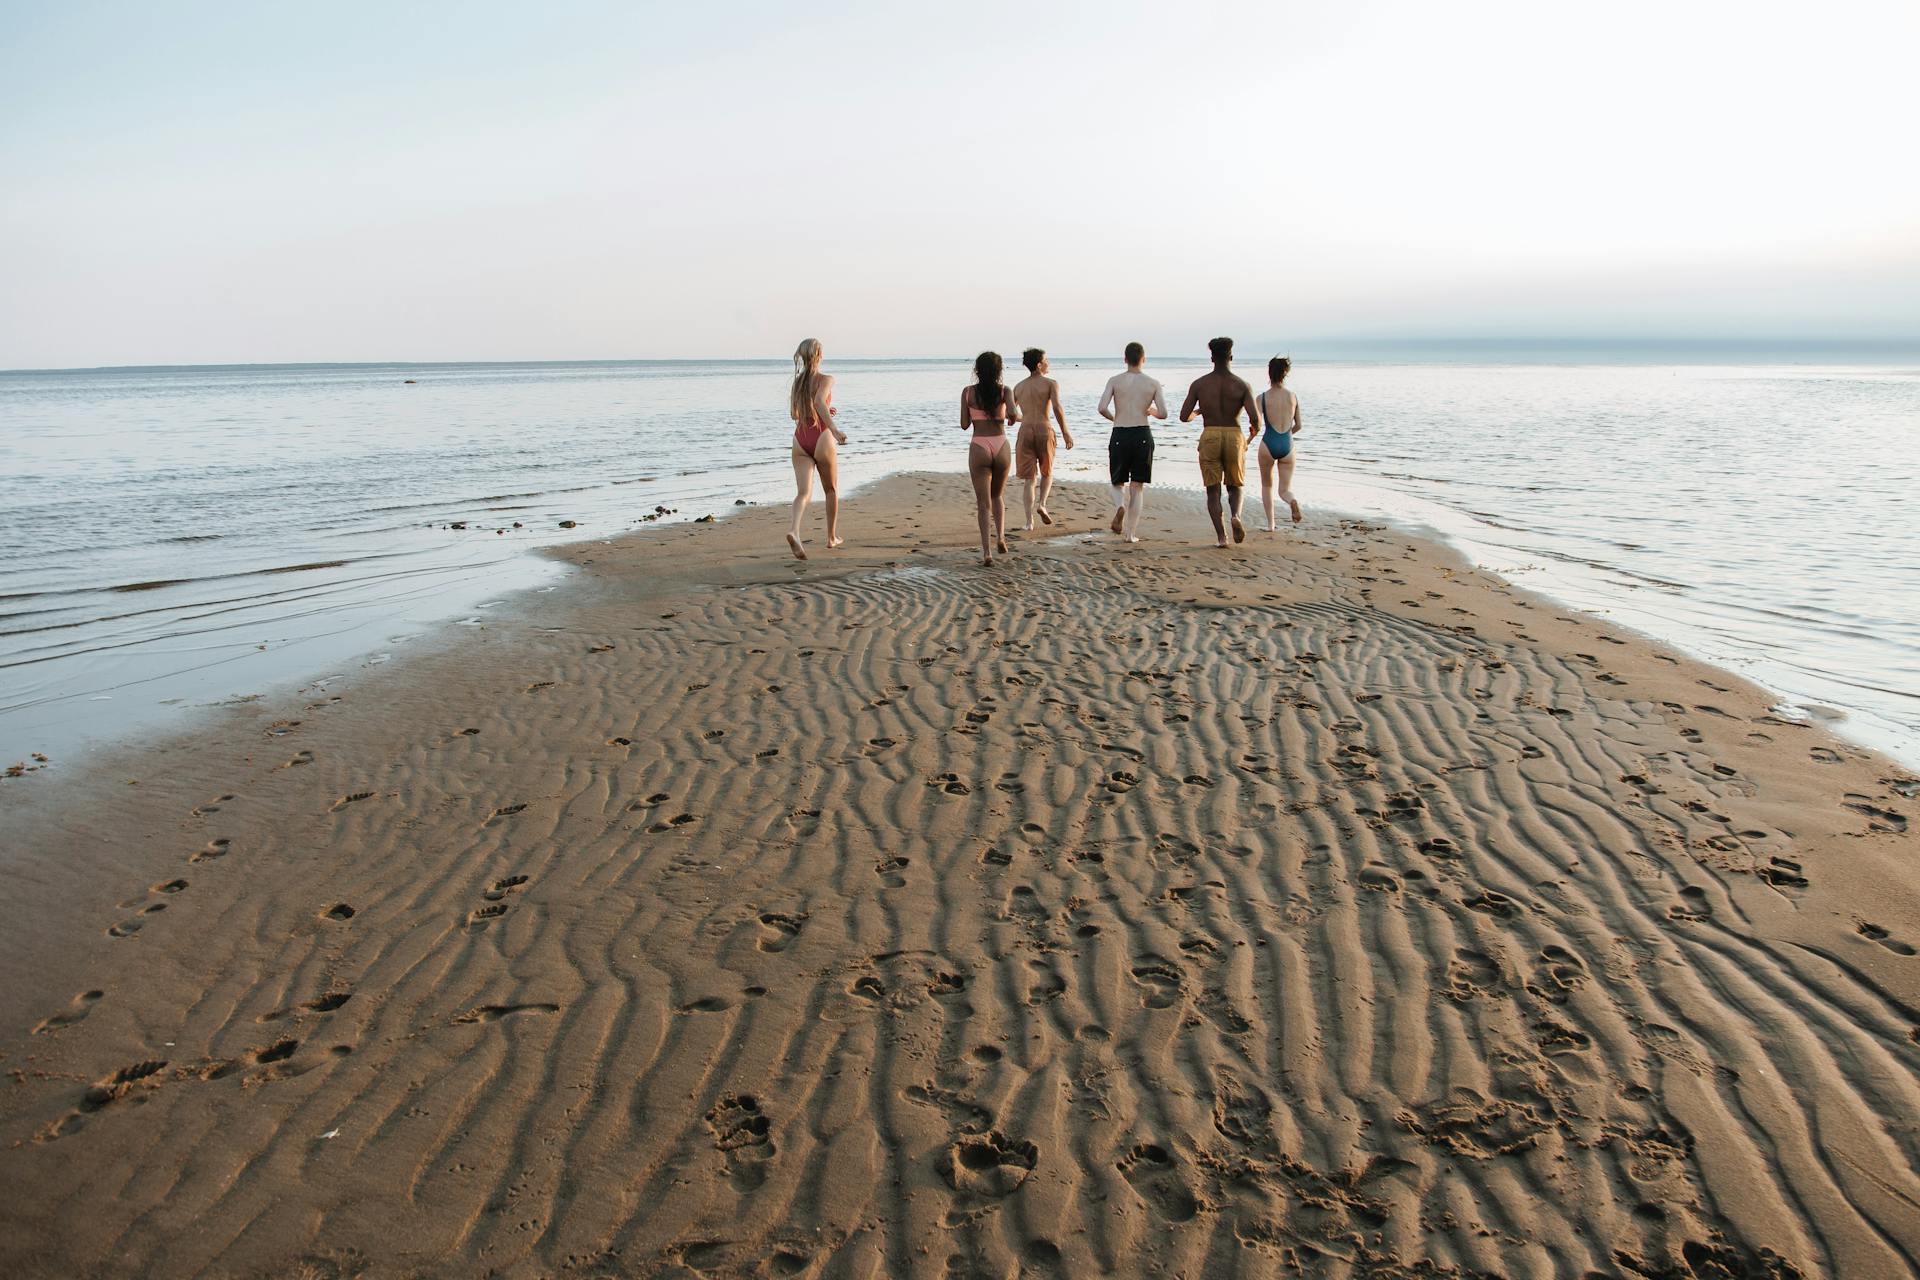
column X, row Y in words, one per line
column 978, row 415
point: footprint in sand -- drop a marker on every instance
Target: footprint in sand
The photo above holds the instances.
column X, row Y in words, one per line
column 1471, row 975
column 351, row 798
column 1148, row 1169
column 211, row 806
column 1878, row 934
column 504, row 811
column 319, row 1004
column 1693, row 906
column 481, row 917
column 76, row 1011
column 1878, row 819
column 889, row 870
column 989, row 1165
column 1160, row 982
column 304, row 757
column 338, row 911
column 778, row 930
column 495, row 1012
column 743, row 1135
column 502, row 887
column 1784, row 876
column 211, row 850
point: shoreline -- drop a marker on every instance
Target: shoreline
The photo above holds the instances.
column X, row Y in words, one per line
column 1347, row 495
column 1320, row 903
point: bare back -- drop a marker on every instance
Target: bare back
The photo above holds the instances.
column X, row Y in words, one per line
column 1220, row 396
column 1034, row 396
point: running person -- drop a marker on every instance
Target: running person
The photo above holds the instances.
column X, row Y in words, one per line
column 1038, row 398
column 1220, row 396
column 1129, row 400
column 1281, row 410
column 815, row 437
column 986, row 406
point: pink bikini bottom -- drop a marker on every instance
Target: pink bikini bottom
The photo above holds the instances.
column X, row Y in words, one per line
column 991, row 444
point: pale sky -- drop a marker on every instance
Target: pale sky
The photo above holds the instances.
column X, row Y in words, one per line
column 227, row 182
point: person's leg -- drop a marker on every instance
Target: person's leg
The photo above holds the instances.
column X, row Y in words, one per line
column 1117, row 477
column 1136, row 504
column 1027, row 486
column 1266, row 485
column 1234, row 473
column 1213, row 514
column 980, row 471
column 1285, row 476
column 997, row 487
column 1046, row 484
column 828, row 459
column 802, row 496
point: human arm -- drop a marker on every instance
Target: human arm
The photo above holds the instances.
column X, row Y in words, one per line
column 1159, row 406
column 1059, row 414
column 1251, row 404
column 966, row 402
column 1296, row 413
column 1106, row 401
column 1186, row 410
column 823, row 409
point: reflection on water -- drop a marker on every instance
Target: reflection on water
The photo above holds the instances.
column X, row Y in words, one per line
column 186, row 536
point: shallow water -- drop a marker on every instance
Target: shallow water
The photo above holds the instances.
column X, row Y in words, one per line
column 186, row 537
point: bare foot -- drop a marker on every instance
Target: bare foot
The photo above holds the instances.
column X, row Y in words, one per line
column 1221, row 545
column 1239, row 530
column 986, row 562
column 1295, row 508
column 1119, row 514
column 1134, row 538
column 834, row 544
column 799, row 553
column 1028, row 527
column 1046, row 517
column 1272, row 527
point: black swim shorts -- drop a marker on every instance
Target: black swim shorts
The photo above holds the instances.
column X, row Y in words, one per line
column 1130, row 455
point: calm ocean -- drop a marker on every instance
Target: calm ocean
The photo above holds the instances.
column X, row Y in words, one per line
column 185, row 537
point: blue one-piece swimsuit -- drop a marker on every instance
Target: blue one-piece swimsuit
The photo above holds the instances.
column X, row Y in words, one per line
column 1279, row 443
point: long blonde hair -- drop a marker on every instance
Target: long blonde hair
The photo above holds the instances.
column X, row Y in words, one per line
column 806, row 368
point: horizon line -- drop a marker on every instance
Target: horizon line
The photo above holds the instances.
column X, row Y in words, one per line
column 1894, row 343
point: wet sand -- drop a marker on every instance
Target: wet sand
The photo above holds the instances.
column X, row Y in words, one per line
column 1316, row 907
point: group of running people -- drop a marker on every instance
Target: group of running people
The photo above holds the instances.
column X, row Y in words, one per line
column 1130, row 400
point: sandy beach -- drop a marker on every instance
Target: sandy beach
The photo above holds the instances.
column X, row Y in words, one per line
column 1315, row 907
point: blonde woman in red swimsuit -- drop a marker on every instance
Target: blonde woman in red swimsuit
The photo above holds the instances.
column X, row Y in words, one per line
column 815, row 437
column 986, row 407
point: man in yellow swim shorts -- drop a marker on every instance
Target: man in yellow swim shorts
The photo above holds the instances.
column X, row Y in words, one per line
column 1220, row 396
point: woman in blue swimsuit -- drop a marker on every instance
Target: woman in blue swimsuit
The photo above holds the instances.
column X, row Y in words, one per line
column 1280, row 410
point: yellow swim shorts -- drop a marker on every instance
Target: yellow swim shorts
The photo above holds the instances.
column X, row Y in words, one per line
column 1223, row 457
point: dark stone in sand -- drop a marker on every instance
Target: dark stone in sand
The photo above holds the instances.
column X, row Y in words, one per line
column 568, row 524
column 706, row 519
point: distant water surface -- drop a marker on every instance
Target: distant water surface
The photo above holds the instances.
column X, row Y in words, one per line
column 184, row 537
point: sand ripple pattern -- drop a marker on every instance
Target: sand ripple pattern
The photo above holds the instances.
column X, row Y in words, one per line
column 1084, row 919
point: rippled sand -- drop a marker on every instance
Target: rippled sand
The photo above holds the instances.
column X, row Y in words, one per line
column 1318, row 907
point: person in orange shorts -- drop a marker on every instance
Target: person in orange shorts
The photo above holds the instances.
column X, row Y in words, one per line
column 1038, row 398
column 1220, row 396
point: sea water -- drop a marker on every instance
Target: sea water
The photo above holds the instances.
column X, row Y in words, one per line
column 186, row 537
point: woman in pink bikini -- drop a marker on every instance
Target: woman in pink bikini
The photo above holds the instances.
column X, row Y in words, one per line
column 987, row 406
column 810, row 400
